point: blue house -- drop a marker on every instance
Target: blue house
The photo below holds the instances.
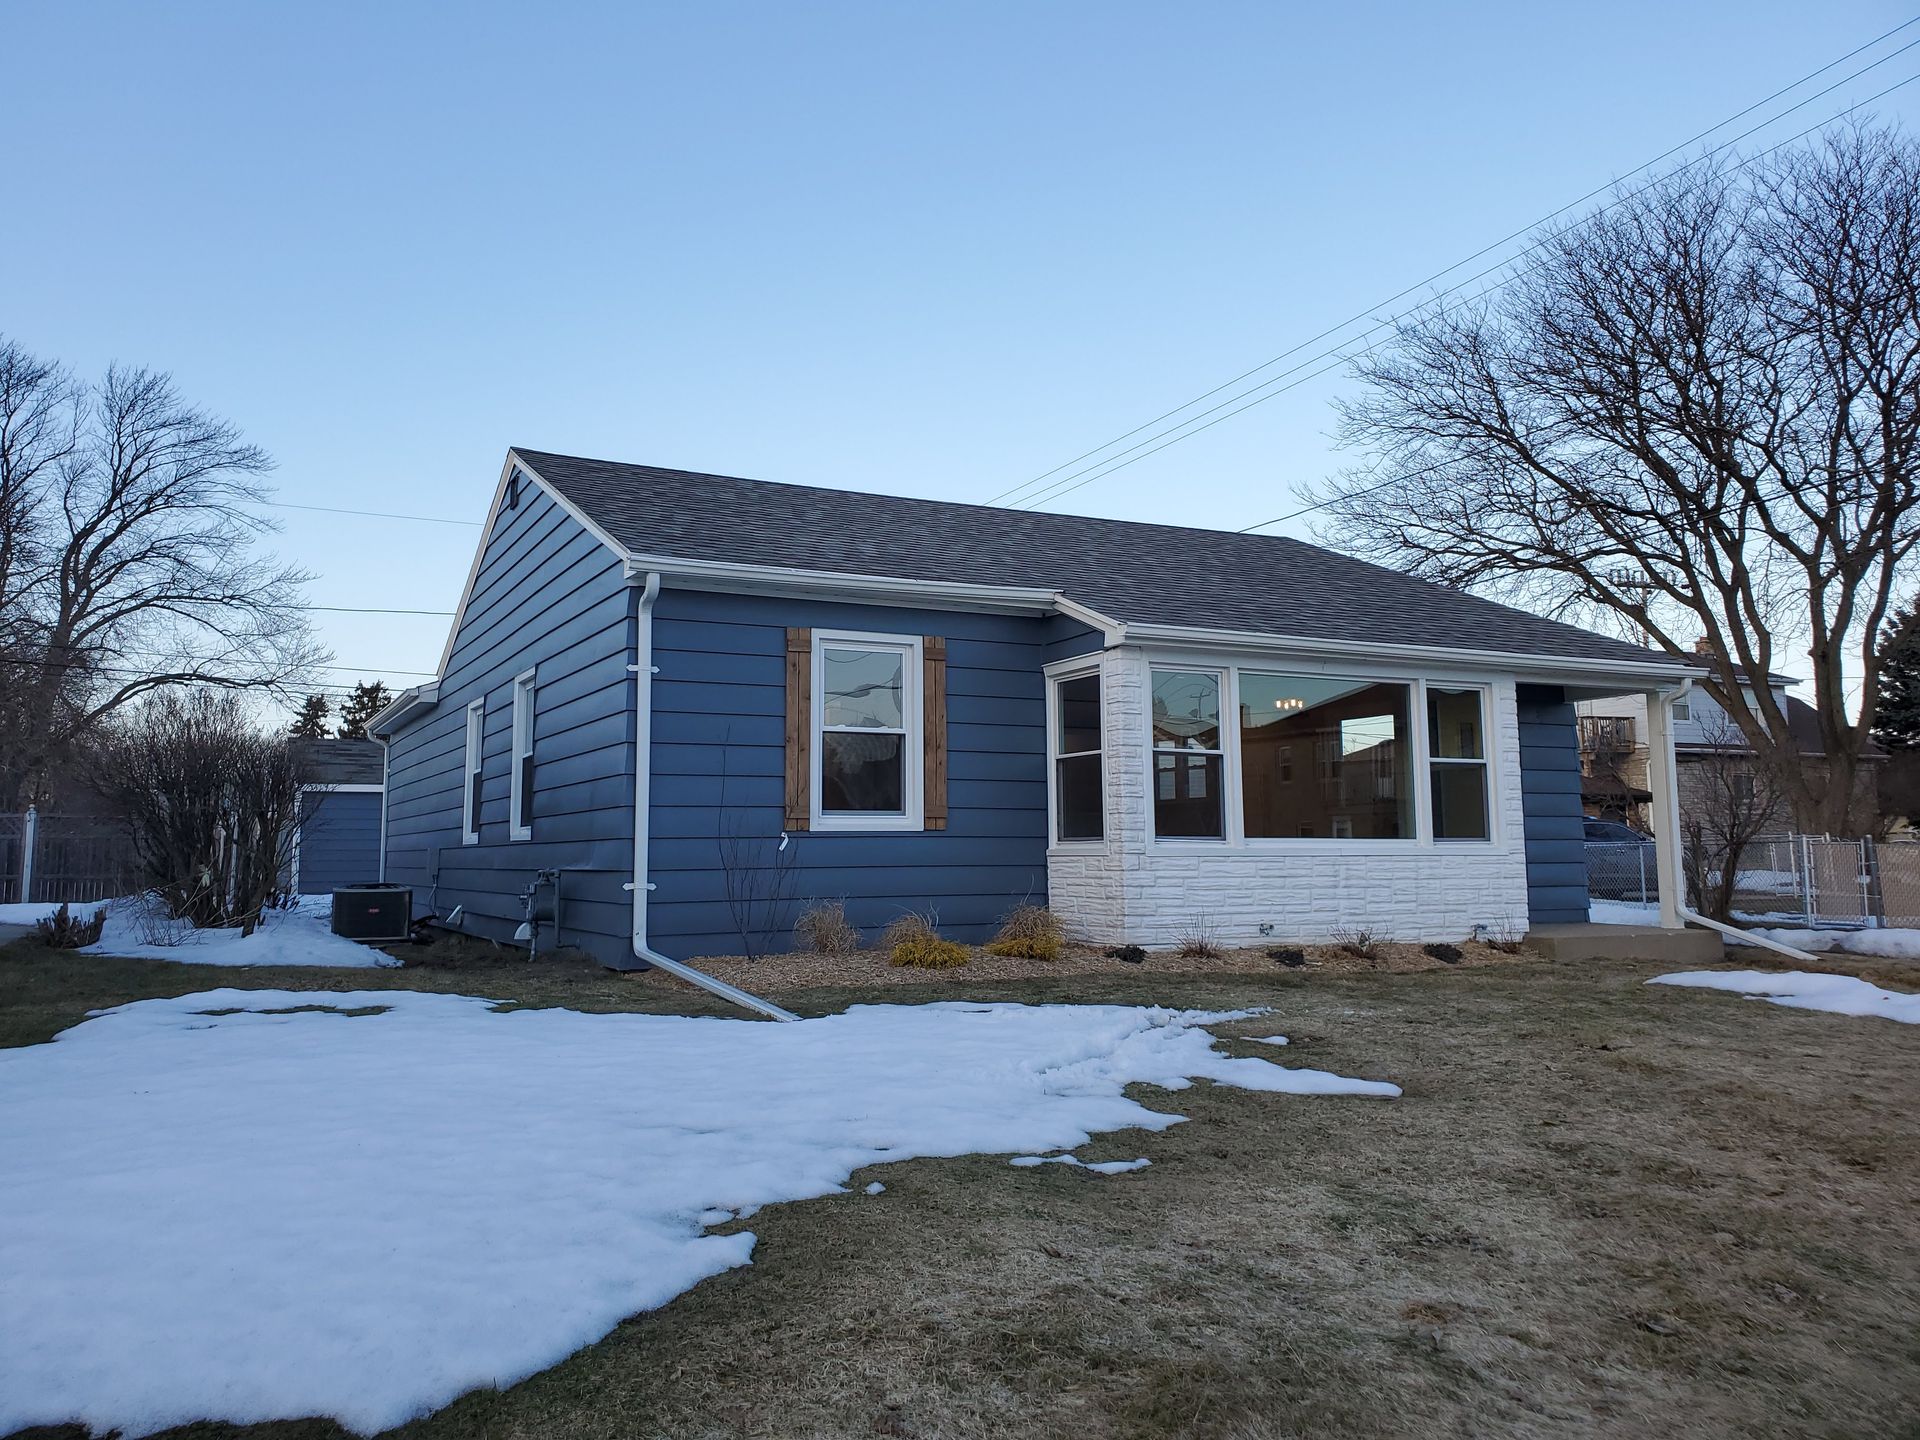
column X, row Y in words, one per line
column 675, row 709
column 336, row 837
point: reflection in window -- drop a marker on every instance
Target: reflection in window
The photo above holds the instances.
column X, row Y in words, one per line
column 1457, row 752
column 1357, row 733
column 863, row 730
column 1187, row 756
column 1078, row 808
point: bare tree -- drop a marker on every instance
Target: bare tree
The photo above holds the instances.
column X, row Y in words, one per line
column 1693, row 413
column 1729, row 797
column 128, row 561
column 210, row 800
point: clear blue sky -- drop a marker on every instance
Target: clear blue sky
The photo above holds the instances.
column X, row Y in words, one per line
column 894, row 247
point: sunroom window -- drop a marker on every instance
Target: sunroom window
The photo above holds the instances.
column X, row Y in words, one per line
column 1187, row 754
column 868, row 726
column 1078, row 784
column 1357, row 733
column 1457, row 758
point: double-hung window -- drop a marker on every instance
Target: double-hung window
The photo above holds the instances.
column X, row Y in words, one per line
column 470, row 794
column 868, row 732
column 1457, row 758
column 1079, row 808
column 520, row 798
column 1188, row 760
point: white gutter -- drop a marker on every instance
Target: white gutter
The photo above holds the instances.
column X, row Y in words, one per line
column 642, row 797
column 1673, row 883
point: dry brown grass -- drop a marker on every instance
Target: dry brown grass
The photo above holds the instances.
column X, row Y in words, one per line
column 1599, row 1209
column 1030, row 932
column 825, row 930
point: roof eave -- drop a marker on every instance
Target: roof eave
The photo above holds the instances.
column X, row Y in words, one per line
column 1583, row 670
column 780, row 579
column 402, row 708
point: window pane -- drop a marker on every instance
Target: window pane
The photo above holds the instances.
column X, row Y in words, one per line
column 1077, row 788
column 1459, row 802
column 1186, row 709
column 862, row 774
column 1186, row 795
column 1453, row 724
column 1325, row 758
column 1079, row 719
column 863, row 688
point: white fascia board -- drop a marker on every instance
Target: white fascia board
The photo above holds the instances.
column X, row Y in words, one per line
column 1629, row 674
column 836, row 585
column 402, row 708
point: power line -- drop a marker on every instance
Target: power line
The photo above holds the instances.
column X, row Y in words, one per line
column 369, row 514
column 1495, row 245
column 370, row 610
column 1100, row 469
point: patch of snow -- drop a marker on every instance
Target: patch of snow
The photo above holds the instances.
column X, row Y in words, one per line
column 1268, row 1039
column 302, row 934
column 1893, row 944
column 876, row 1188
column 1622, row 912
column 1840, row 994
column 279, row 1212
column 1098, row 1167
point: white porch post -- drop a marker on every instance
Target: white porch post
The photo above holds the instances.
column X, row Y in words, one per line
column 29, row 842
column 1663, row 782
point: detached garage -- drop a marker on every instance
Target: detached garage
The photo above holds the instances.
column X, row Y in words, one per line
column 337, row 840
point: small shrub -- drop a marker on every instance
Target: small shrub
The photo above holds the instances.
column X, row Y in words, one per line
column 1504, row 936
column 1127, row 954
column 1288, row 955
column 1200, row 942
column 64, row 930
column 1358, row 942
column 911, row 926
column 932, row 953
column 1445, row 954
column 825, row 930
column 1030, row 932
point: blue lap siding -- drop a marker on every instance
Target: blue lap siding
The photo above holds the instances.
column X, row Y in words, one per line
column 1550, row 796
column 546, row 596
column 339, row 840
column 719, row 757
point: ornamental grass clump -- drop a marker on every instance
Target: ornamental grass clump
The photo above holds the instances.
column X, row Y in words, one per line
column 68, row 930
column 1030, row 932
column 825, row 930
column 914, row 940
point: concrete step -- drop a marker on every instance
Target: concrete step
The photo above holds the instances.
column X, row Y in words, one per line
column 1626, row 942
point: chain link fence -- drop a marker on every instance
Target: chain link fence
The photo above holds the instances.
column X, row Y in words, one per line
column 1809, row 880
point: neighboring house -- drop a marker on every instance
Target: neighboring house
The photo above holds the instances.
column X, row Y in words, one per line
column 337, row 839
column 815, row 695
column 1614, row 754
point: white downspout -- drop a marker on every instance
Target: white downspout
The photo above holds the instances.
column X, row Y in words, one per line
column 642, row 806
column 1663, row 779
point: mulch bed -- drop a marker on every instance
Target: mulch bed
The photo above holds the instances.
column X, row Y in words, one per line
column 806, row 970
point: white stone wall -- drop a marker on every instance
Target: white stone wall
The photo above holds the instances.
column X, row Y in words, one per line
column 1131, row 889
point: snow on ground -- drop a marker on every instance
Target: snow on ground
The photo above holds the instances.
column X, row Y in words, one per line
column 876, row 1188
column 1892, row 944
column 1622, row 912
column 1098, row 1167
column 1841, row 994
column 233, row 1206
column 300, row 935
column 1268, row 1039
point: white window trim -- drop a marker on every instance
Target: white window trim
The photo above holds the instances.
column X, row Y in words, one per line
column 473, row 757
column 1485, row 762
column 913, row 792
column 523, row 686
column 1234, row 826
column 1078, row 844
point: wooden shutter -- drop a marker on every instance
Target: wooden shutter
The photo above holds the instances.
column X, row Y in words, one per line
column 933, row 688
column 799, row 727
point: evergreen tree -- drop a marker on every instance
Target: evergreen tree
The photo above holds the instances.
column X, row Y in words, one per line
column 311, row 723
column 1897, row 722
column 368, row 699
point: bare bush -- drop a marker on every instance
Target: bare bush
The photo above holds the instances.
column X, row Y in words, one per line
column 65, row 930
column 1358, row 941
column 825, row 930
column 210, row 800
column 1200, row 940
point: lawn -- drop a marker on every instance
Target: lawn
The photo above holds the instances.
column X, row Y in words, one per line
column 1598, row 1207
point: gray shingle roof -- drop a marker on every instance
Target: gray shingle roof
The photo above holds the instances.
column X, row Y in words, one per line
column 1136, row 573
column 340, row 762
